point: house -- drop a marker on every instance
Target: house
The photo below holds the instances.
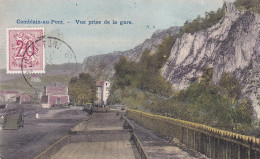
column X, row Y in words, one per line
column 22, row 98
column 6, row 95
column 55, row 94
column 103, row 88
column 35, row 78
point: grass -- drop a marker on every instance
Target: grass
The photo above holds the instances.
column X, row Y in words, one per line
column 21, row 84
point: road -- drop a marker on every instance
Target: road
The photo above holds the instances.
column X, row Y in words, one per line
column 108, row 140
column 37, row 134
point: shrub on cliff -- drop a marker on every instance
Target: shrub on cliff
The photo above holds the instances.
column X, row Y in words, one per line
column 146, row 74
column 230, row 86
column 126, row 73
column 200, row 23
column 248, row 5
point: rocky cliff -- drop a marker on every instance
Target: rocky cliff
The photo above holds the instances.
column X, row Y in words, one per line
column 231, row 45
column 104, row 64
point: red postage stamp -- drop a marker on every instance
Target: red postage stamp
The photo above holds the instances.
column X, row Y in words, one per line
column 25, row 50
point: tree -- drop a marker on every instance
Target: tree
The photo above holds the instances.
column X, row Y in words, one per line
column 163, row 52
column 243, row 116
column 82, row 89
column 230, row 86
column 200, row 23
column 206, row 78
column 216, row 105
column 72, row 89
column 213, row 109
column 125, row 73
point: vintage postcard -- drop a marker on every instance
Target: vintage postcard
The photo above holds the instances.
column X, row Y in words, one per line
column 135, row 79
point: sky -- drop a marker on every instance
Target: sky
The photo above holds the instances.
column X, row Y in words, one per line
column 87, row 40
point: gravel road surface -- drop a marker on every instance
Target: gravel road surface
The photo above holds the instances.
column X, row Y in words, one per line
column 37, row 134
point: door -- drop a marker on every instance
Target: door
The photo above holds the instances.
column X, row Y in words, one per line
column 58, row 101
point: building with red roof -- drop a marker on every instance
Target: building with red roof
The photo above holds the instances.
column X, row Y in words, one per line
column 22, row 98
column 55, row 94
column 6, row 95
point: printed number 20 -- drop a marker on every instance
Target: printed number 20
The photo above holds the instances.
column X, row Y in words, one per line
column 30, row 43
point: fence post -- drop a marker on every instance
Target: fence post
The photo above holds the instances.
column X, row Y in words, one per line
column 188, row 138
column 210, row 146
column 201, row 143
column 196, row 141
column 228, row 150
column 214, row 148
column 182, row 134
column 193, row 142
column 238, row 152
column 224, row 150
column 248, row 153
column 218, row 148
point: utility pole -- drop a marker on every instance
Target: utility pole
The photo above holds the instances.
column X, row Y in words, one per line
column 36, row 114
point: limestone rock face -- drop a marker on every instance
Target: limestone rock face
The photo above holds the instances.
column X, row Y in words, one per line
column 231, row 45
column 105, row 63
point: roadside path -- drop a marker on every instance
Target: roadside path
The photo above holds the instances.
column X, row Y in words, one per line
column 156, row 147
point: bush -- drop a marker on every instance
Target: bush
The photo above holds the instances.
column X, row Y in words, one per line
column 125, row 73
column 146, row 74
column 200, row 23
column 82, row 89
column 230, row 86
column 213, row 109
column 206, row 103
column 243, row 116
column 248, row 5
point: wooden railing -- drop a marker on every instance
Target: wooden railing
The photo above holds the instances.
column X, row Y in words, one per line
column 214, row 143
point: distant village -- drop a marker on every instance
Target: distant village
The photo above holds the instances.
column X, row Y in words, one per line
column 53, row 94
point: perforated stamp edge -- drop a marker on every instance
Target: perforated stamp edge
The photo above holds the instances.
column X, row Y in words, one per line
column 7, row 52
